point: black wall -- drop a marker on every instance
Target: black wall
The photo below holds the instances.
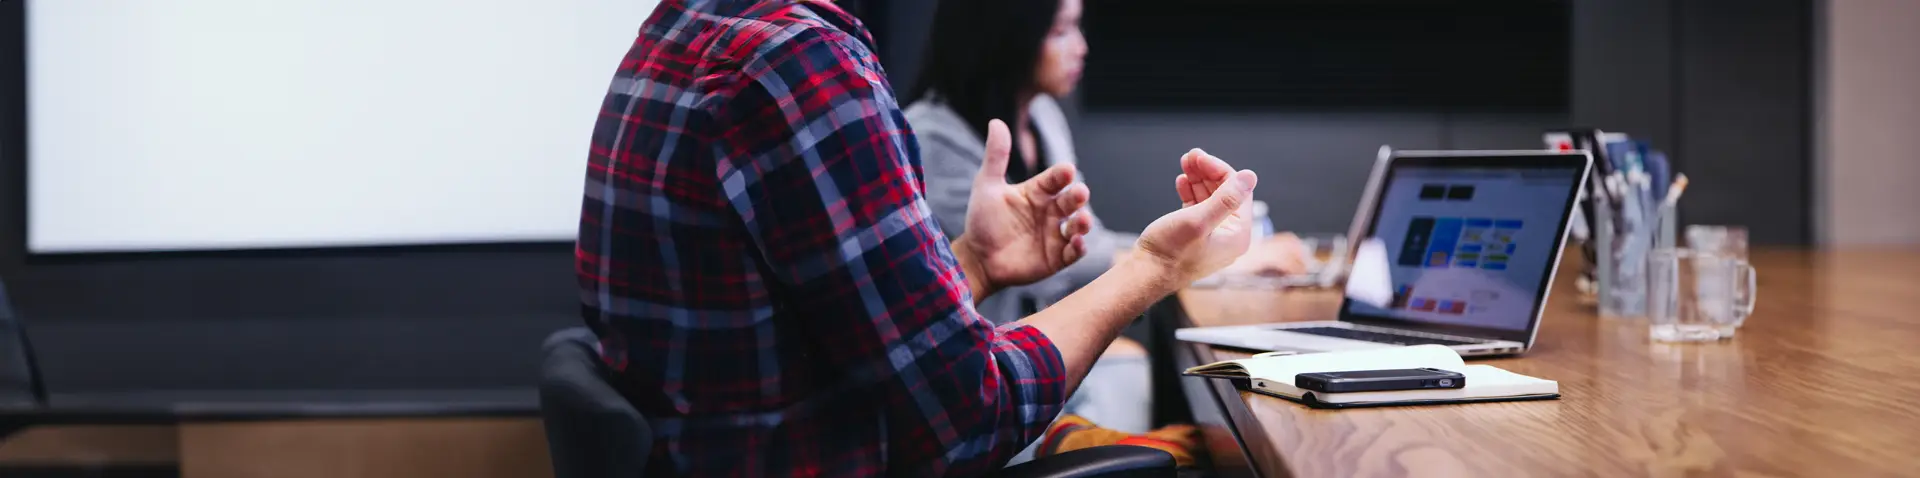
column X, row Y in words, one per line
column 1341, row 55
column 1724, row 86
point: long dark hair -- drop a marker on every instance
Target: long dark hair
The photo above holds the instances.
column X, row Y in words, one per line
column 982, row 58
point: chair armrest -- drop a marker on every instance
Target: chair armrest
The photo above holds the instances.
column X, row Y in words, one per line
column 1112, row 461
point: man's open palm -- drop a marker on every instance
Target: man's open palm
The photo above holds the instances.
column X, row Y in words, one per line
column 1024, row 232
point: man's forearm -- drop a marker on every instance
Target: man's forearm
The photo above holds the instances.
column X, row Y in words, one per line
column 1084, row 323
column 970, row 263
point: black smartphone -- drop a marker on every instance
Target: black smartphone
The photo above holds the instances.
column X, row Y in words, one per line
column 1380, row 380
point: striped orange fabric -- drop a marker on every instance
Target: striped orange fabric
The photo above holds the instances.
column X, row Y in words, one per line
column 1073, row 432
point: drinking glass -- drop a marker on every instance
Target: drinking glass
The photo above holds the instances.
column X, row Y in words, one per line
column 1694, row 296
column 1623, row 278
column 1722, row 241
column 1729, row 241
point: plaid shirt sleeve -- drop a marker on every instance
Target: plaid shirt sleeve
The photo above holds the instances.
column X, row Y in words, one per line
column 821, row 168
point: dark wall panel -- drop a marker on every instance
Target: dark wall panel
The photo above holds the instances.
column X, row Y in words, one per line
column 1746, row 115
column 281, row 354
column 903, row 40
column 1254, row 55
column 1623, row 63
column 1724, row 86
column 473, row 283
column 13, row 168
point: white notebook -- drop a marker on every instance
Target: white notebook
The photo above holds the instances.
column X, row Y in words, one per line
column 1273, row 375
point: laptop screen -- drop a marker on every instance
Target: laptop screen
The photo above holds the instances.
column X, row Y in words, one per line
column 1472, row 242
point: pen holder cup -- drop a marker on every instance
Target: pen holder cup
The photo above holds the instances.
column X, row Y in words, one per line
column 1622, row 245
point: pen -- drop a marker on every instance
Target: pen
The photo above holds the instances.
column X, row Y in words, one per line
column 1673, row 193
column 1673, row 198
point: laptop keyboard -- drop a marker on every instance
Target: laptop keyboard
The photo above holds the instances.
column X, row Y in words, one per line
column 1380, row 337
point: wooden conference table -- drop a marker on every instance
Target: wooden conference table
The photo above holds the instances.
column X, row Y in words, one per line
column 1823, row 380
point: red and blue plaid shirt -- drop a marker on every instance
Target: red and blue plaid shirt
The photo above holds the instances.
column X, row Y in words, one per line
column 763, row 270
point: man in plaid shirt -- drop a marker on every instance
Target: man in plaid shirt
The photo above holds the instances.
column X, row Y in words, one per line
column 769, row 286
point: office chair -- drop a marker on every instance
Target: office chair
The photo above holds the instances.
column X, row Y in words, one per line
column 20, row 383
column 592, row 432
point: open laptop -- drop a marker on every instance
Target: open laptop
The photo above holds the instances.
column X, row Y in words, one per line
column 1472, row 238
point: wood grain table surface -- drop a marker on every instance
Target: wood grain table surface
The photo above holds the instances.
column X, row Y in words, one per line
column 1823, row 380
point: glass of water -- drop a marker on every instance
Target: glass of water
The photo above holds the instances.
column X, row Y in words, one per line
column 1730, row 241
column 1695, row 296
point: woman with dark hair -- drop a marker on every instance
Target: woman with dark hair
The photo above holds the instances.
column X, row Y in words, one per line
column 1008, row 60
column 1011, row 60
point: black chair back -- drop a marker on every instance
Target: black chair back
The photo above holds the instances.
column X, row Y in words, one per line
column 591, row 430
column 20, row 382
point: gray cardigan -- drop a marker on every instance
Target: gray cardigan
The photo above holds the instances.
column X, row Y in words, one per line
column 950, row 155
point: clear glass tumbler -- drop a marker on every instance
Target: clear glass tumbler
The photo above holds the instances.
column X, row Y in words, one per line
column 1730, row 241
column 1723, row 241
column 1694, row 296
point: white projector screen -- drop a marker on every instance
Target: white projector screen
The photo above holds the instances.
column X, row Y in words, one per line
column 235, row 124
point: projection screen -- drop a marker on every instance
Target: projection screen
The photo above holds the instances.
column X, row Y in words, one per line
column 158, row 125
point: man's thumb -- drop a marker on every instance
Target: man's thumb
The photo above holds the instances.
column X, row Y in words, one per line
column 999, row 144
column 1235, row 193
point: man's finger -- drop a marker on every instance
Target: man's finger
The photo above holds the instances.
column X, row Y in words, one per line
column 1051, row 181
column 993, row 167
column 1071, row 200
column 1186, row 160
column 1075, row 249
column 1200, row 190
column 1204, row 168
column 1235, row 193
column 1184, row 186
column 1078, row 225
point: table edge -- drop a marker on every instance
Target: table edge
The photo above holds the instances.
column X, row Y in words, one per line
column 1260, row 456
